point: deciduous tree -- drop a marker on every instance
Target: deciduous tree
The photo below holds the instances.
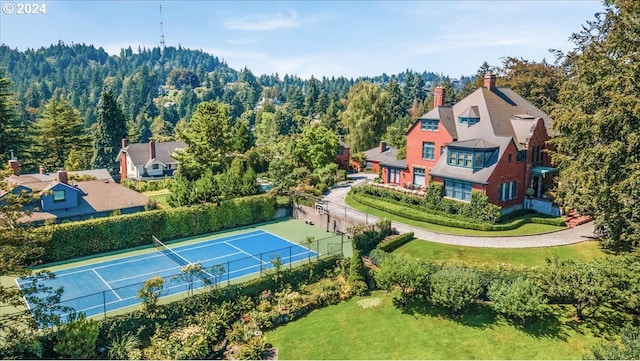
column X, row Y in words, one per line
column 597, row 124
column 367, row 116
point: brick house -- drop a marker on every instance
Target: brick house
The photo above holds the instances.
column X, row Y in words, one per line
column 383, row 159
column 492, row 141
column 343, row 156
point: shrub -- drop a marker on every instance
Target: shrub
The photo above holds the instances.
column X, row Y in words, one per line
column 394, row 243
column 123, row 347
column 365, row 238
column 357, row 270
column 455, row 288
column 76, row 340
column 521, row 298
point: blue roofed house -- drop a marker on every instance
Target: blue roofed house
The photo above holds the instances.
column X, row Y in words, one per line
column 74, row 196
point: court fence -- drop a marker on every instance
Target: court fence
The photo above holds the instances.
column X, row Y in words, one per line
column 216, row 276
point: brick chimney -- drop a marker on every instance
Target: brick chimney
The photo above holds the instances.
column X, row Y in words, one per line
column 15, row 165
column 490, row 81
column 152, row 150
column 62, row 176
column 438, row 96
column 41, row 169
column 383, row 146
column 123, row 159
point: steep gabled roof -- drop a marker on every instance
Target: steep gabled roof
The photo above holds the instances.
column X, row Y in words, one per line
column 445, row 115
column 139, row 155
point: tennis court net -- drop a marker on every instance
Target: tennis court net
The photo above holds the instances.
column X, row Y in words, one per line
column 175, row 257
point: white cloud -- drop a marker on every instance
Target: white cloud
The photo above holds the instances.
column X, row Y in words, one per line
column 264, row 22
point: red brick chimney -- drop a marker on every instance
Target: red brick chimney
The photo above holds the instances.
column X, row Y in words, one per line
column 13, row 163
column 123, row 159
column 152, row 150
column 62, row 176
column 438, row 96
column 383, row 146
column 490, row 81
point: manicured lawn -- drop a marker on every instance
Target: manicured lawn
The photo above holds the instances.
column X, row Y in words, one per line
column 526, row 229
column 160, row 196
column 495, row 256
column 348, row 331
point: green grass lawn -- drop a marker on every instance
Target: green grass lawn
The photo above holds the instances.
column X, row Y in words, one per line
column 348, row 331
column 160, row 196
column 526, row 229
column 495, row 256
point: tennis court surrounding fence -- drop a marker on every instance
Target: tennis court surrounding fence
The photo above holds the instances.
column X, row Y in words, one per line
column 98, row 288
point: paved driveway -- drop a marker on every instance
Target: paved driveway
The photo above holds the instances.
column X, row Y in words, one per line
column 336, row 204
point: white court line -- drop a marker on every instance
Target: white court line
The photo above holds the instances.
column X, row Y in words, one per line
column 288, row 241
column 23, row 297
column 105, row 282
column 248, row 254
column 154, row 255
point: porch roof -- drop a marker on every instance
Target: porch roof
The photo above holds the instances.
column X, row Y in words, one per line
column 543, row 171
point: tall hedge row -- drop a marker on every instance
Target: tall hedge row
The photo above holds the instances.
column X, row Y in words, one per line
column 78, row 239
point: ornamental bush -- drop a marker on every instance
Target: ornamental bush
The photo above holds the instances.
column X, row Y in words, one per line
column 521, row 299
column 455, row 288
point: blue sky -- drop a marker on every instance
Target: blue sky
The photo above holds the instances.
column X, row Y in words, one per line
column 320, row 38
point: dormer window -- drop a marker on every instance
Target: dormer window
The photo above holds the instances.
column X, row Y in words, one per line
column 469, row 116
column 59, row 196
column 471, row 158
column 429, row 124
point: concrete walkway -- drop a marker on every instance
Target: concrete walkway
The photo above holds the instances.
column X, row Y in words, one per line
column 584, row 232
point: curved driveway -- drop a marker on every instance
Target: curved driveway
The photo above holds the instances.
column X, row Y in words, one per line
column 584, row 232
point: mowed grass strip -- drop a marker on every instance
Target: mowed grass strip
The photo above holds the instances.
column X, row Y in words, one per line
column 494, row 257
column 348, row 331
column 160, row 196
column 526, row 229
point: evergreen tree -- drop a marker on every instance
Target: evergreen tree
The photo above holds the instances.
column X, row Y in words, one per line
column 10, row 133
column 597, row 147
column 58, row 131
column 111, row 127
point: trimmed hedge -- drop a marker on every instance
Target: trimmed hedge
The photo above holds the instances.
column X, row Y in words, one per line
column 478, row 209
column 423, row 215
column 557, row 221
column 85, row 238
column 394, row 243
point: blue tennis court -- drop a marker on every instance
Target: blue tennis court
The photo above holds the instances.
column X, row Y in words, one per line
column 106, row 286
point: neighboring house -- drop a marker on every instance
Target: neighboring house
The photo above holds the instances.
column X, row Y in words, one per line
column 343, row 156
column 382, row 157
column 493, row 141
column 66, row 196
column 148, row 160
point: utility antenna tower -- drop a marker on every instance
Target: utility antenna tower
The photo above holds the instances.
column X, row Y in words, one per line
column 161, row 32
